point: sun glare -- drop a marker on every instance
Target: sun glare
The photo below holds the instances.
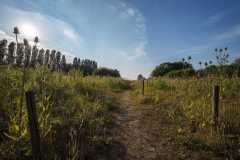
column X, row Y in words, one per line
column 29, row 31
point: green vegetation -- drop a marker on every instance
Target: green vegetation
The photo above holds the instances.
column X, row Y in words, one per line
column 74, row 112
column 166, row 68
column 187, row 104
column 74, row 103
column 107, row 72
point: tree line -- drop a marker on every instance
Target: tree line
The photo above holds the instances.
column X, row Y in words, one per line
column 22, row 54
column 184, row 67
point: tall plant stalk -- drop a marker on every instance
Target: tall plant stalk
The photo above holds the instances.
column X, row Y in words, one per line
column 21, row 99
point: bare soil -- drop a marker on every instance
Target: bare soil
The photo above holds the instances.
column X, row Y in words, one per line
column 137, row 136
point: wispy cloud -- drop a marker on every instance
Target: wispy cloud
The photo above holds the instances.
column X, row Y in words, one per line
column 71, row 34
column 218, row 17
column 139, row 51
column 4, row 35
column 233, row 33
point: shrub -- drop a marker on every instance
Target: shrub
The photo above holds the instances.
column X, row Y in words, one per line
column 182, row 73
column 165, row 68
column 107, row 72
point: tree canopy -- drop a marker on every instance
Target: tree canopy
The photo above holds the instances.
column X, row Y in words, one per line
column 107, row 72
column 164, row 68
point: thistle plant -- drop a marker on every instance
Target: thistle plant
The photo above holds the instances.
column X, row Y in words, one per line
column 3, row 50
column 222, row 56
column 16, row 32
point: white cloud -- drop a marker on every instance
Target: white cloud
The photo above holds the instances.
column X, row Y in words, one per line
column 216, row 18
column 126, row 11
column 131, row 12
column 4, row 35
column 71, row 34
column 230, row 34
column 139, row 51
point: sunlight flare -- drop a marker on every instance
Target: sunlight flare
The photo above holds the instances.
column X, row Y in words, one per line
column 29, row 30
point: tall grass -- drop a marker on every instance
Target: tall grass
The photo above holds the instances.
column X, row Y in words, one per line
column 73, row 112
column 190, row 106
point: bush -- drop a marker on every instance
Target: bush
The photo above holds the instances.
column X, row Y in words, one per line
column 107, row 72
column 182, row 73
column 165, row 68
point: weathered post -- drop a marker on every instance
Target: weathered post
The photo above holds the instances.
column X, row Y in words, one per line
column 215, row 105
column 33, row 125
column 143, row 87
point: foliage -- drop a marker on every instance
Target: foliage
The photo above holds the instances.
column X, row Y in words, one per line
column 189, row 102
column 107, row 72
column 164, row 68
column 140, row 77
column 189, row 72
column 73, row 112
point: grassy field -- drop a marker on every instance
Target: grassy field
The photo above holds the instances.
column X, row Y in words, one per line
column 187, row 105
column 74, row 112
column 76, row 115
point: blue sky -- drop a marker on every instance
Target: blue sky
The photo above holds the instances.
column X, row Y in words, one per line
column 132, row 36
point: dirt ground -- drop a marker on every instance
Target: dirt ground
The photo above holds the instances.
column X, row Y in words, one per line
column 137, row 136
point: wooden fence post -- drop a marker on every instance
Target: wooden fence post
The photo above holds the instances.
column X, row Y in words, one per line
column 143, row 87
column 215, row 105
column 33, row 125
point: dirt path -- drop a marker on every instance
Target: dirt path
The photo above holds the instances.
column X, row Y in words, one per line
column 136, row 136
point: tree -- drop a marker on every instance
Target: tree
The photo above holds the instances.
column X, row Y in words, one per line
column 46, row 57
column 63, row 63
column 40, row 56
column 164, row 68
column 78, row 62
column 27, row 53
column 10, row 56
column 20, row 54
column 140, row 77
column 58, row 60
column 107, row 72
column 75, row 62
column 88, row 67
column 53, row 59
column 25, row 42
column 3, row 50
column 34, row 56
column 237, row 61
